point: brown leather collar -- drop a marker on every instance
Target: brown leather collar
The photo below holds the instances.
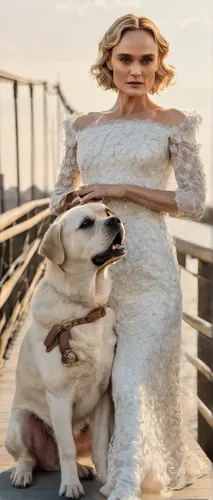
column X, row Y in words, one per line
column 60, row 334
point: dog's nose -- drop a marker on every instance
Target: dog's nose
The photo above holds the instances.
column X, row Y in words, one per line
column 113, row 221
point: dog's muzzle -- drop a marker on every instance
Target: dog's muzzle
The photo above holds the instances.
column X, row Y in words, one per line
column 116, row 249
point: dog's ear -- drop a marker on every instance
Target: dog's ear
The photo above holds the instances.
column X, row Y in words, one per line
column 51, row 246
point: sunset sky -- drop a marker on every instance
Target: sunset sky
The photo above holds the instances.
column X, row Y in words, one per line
column 45, row 38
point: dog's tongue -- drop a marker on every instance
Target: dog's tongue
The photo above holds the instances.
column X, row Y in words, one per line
column 116, row 246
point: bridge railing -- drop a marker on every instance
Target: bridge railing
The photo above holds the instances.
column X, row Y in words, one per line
column 195, row 240
column 42, row 106
column 22, row 228
column 20, row 265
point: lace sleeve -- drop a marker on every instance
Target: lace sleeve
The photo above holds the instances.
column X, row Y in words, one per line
column 69, row 177
column 188, row 168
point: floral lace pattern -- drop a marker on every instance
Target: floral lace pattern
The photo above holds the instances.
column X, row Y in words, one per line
column 191, row 193
column 149, row 436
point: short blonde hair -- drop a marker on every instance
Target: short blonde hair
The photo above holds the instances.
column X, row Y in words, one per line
column 165, row 74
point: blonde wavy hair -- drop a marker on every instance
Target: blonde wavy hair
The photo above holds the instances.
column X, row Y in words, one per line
column 165, row 74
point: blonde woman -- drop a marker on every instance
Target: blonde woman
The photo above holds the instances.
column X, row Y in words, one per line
column 125, row 155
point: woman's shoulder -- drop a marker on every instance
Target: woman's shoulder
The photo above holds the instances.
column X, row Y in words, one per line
column 77, row 121
column 172, row 117
column 83, row 120
column 175, row 118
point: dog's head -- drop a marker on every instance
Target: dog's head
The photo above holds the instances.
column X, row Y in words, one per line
column 89, row 233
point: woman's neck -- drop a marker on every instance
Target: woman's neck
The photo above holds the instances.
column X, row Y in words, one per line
column 126, row 105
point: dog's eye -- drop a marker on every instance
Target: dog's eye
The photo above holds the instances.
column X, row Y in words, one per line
column 108, row 213
column 86, row 223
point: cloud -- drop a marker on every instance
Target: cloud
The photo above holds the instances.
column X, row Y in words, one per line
column 82, row 6
column 189, row 21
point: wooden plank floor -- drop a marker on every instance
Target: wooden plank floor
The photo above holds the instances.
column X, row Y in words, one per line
column 202, row 489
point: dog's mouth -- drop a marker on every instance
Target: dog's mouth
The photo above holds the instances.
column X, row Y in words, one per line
column 114, row 252
column 117, row 246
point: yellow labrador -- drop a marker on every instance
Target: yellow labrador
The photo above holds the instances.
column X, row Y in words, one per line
column 52, row 400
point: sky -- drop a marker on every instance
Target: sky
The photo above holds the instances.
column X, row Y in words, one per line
column 58, row 39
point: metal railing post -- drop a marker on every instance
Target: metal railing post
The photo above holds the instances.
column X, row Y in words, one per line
column 46, row 150
column 15, row 95
column 32, row 143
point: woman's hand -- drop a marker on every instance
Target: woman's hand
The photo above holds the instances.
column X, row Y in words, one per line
column 69, row 201
column 92, row 192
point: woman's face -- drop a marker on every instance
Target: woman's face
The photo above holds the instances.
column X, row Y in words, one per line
column 134, row 62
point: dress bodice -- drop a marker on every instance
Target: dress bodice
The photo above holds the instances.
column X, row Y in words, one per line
column 123, row 151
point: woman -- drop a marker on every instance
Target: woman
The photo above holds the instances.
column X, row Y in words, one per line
column 123, row 155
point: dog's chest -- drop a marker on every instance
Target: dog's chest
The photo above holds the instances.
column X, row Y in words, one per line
column 88, row 393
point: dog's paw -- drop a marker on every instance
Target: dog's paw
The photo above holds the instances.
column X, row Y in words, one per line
column 105, row 490
column 85, row 472
column 21, row 476
column 73, row 489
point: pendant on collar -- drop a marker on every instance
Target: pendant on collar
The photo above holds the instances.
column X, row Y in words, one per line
column 60, row 334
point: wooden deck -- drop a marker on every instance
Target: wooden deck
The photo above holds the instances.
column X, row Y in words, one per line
column 202, row 489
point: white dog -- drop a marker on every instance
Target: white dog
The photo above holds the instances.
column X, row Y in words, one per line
column 56, row 393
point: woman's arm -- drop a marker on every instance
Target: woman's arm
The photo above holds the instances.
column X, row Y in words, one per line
column 69, row 177
column 188, row 168
column 154, row 199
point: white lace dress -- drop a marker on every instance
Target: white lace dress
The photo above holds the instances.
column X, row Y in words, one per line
column 149, row 434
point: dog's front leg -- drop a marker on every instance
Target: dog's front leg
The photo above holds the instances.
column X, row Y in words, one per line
column 102, row 423
column 61, row 415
